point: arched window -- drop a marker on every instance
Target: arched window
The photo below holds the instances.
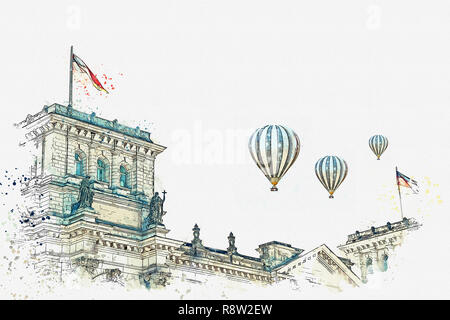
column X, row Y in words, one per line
column 385, row 262
column 369, row 265
column 124, row 177
column 101, row 170
column 79, row 164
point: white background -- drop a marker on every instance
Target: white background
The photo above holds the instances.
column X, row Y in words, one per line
column 203, row 75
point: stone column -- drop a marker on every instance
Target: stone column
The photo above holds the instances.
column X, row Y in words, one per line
column 363, row 268
column 133, row 175
column 138, row 172
column 115, row 174
column 66, row 159
column 39, row 163
column 380, row 260
column 150, row 182
column 92, row 161
column 148, row 175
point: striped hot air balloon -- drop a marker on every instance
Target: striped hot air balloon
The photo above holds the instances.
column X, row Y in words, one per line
column 274, row 148
column 378, row 144
column 331, row 171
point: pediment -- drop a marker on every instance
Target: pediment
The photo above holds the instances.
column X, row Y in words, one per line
column 320, row 262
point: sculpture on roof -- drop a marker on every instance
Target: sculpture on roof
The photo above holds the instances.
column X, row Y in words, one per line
column 196, row 242
column 231, row 243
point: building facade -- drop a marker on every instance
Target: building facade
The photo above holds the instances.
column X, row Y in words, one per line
column 93, row 208
column 370, row 249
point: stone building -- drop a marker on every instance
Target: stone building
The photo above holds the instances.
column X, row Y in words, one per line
column 370, row 249
column 93, row 208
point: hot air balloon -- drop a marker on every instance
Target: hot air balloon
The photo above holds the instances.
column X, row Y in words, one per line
column 378, row 144
column 274, row 148
column 331, row 171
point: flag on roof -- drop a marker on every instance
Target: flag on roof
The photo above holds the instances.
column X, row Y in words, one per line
column 85, row 69
column 407, row 182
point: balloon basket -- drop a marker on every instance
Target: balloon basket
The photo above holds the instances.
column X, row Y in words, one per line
column 331, row 197
column 274, row 188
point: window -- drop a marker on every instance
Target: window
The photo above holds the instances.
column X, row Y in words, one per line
column 124, row 177
column 369, row 265
column 101, row 171
column 79, row 165
column 385, row 262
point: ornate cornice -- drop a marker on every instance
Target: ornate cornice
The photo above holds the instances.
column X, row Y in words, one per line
column 91, row 128
column 223, row 268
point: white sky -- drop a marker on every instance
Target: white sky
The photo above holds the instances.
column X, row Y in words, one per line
column 336, row 72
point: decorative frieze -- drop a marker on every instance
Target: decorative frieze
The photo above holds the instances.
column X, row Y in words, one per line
column 90, row 265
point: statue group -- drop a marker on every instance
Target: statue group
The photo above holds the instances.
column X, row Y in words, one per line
column 156, row 211
column 85, row 195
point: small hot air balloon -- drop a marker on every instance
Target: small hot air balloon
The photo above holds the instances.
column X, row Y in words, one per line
column 274, row 148
column 378, row 144
column 331, row 171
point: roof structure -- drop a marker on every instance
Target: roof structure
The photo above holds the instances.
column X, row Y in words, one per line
column 92, row 118
column 406, row 223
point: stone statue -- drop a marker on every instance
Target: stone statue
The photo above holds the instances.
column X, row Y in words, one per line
column 85, row 196
column 196, row 243
column 111, row 275
column 196, row 233
column 156, row 210
column 90, row 265
column 231, row 244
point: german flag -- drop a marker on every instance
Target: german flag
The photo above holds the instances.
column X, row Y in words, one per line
column 407, row 182
column 85, row 69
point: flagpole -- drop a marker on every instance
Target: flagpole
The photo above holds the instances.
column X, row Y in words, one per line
column 71, row 76
column 399, row 193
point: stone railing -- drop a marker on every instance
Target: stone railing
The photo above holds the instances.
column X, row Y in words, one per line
column 376, row 231
column 89, row 118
